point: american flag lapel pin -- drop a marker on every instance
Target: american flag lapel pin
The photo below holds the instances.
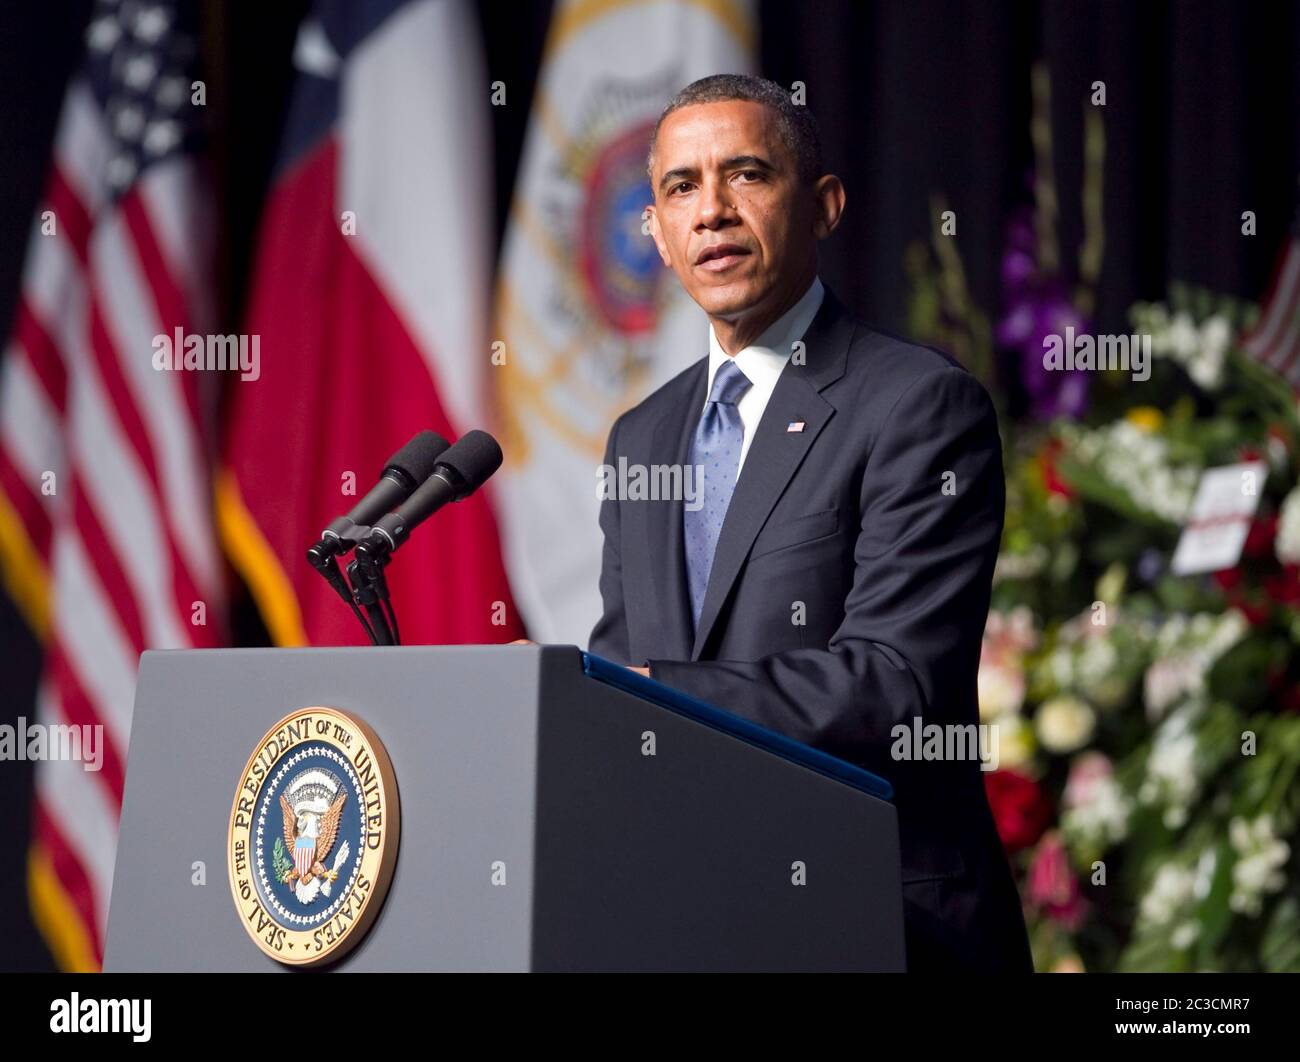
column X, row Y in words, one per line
column 795, row 425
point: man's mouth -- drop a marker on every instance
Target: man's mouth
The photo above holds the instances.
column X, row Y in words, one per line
column 721, row 256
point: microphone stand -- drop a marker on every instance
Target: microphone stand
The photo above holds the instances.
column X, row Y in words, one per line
column 370, row 591
column 323, row 559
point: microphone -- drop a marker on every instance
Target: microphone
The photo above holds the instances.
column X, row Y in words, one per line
column 458, row 473
column 406, row 470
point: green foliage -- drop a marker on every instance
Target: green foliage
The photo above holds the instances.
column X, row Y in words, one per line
column 281, row 864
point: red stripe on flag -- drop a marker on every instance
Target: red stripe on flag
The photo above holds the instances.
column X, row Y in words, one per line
column 78, row 710
column 108, row 568
column 104, row 357
column 184, row 588
column 70, row 214
column 27, row 505
column 1286, row 355
column 161, row 283
column 72, row 875
column 42, row 354
column 1279, row 306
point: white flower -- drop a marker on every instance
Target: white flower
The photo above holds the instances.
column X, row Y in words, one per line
column 1001, row 680
column 1261, row 855
column 1287, row 543
column 1172, row 890
column 1205, row 366
column 1172, row 632
column 1216, row 334
column 1182, row 339
column 1001, row 689
column 1201, row 350
column 1185, row 651
column 1166, row 680
column 1096, row 807
column 1097, row 666
column 1098, row 659
column 1060, row 666
column 1171, row 778
column 1137, row 462
column 1205, row 867
column 1085, row 658
column 1087, row 770
column 1015, row 741
column 1064, row 724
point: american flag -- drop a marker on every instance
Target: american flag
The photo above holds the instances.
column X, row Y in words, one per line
column 105, row 524
column 1275, row 339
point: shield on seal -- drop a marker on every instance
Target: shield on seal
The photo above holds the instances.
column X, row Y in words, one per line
column 304, row 855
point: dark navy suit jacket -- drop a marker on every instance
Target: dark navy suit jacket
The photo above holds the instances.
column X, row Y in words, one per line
column 848, row 594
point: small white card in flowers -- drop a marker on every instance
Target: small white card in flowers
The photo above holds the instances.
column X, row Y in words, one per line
column 1219, row 519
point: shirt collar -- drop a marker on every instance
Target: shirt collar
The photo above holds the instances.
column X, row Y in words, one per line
column 763, row 360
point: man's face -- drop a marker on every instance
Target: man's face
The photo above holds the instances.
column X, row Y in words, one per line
column 730, row 215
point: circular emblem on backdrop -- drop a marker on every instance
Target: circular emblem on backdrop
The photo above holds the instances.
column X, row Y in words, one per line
column 618, row 261
column 313, row 836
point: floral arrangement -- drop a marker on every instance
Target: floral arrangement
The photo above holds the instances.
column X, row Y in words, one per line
column 1149, row 724
column 1147, row 788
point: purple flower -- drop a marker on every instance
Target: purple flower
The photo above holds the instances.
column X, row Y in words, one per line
column 1037, row 307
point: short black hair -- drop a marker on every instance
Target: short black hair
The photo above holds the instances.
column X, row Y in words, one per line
column 796, row 123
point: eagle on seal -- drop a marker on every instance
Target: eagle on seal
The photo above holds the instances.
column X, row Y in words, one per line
column 310, row 836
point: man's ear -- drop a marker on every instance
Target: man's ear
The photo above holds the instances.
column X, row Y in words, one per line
column 658, row 236
column 828, row 191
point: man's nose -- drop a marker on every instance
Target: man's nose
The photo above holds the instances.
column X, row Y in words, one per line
column 715, row 206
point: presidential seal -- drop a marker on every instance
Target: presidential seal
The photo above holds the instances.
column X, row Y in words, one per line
column 313, row 836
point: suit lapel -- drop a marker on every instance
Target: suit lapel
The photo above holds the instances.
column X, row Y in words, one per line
column 773, row 457
column 671, row 444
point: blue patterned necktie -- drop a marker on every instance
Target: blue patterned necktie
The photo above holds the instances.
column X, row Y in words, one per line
column 715, row 450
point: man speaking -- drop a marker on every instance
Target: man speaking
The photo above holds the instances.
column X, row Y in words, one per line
column 833, row 579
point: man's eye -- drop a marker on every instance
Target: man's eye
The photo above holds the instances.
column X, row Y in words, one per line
column 749, row 173
column 680, row 185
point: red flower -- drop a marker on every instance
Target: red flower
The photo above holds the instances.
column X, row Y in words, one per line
column 1256, row 615
column 1284, row 588
column 1052, row 887
column 1052, row 479
column 1256, row 608
column 1259, row 539
column 1020, row 809
column 1227, row 578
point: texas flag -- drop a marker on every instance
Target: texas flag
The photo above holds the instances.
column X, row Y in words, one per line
column 370, row 303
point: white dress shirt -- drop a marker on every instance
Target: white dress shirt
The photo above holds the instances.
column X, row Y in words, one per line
column 763, row 361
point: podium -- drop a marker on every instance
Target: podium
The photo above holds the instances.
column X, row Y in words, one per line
column 558, row 812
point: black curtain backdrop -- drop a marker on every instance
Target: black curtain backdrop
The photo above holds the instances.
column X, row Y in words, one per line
column 915, row 100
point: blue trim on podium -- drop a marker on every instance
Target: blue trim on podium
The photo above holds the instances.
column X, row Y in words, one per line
column 676, row 701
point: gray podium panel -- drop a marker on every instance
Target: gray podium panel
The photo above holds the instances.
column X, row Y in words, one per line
column 512, row 755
